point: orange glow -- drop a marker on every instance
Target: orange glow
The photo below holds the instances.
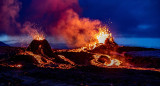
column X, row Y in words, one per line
column 114, row 62
column 37, row 57
column 100, row 38
column 15, row 65
column 65, row 59
column 38, row 37
column 102, row 35
column 19, row 66
column 46, row 62
column 105, row 60
column 36, row 34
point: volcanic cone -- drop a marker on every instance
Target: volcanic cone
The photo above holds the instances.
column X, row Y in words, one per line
column 40, row 47
column 109, row 45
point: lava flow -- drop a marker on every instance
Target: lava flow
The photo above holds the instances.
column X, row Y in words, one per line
column 41, row 51
column 100, row 53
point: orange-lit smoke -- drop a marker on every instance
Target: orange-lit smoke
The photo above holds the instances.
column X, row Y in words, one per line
column 60, row 19
column 65, row 22
column 76, row 31
column 9, row 13
column 34, row 33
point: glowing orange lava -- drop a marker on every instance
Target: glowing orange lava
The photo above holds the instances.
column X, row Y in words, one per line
column 46, row 62
column 102, row 35
column 13, row 66
column 18, row 66
column 105, row 60
column 38, row 37
column 114, row 62
column 100, row 38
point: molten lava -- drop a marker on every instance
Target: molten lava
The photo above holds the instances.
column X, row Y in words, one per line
column 14, row 66
column 19, row 66
column 107, row 63
column 97, row 53
column 114, row 62
column 102, row 35
column 38, row 37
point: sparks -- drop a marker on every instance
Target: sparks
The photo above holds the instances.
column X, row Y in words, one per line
column 102, row 35
column 38, row 37
column 19, row 66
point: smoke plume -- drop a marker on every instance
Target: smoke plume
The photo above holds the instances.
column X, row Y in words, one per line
column 9, row 12
column 64, row 22
column 59, row 18
column 75, row 30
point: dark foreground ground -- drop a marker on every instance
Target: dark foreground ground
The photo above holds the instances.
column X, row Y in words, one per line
column 31, row 75
column 81, row 76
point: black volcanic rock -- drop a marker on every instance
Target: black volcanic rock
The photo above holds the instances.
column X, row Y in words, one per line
column 40, row 47
column 3, row 44
column 23, row 59
column 128, row 49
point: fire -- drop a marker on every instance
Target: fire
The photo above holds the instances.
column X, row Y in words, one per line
column 114, row 62
column 102, row 35
column 36, row 34
column 47, row 62
column 14, row 66
column 19, row 66
column 100, row 38
column 65, row 59
column 38, row 37
column 37, row 57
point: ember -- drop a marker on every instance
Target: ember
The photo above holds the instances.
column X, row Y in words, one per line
column 19, row 66
column 72, row 43
column 14, row 66
column 39, row 37
column 103, row 35
column 91, row 38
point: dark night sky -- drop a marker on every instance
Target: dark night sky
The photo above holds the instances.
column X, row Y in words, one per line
column 134, row 22
column 130, row 18
column 139, row 18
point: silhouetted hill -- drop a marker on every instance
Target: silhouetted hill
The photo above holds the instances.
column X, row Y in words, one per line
column 3, row 44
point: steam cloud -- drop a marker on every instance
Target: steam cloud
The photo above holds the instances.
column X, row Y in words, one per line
column 60, row 18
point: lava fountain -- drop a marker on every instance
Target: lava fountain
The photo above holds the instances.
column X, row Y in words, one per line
column 96, row 54
column 40, row 45
column 102, row 35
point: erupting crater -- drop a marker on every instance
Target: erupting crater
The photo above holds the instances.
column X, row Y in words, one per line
column 40, row 47
column 100, row 53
